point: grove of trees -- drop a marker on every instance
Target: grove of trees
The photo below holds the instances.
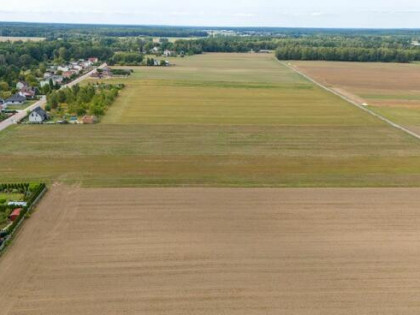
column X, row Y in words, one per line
column 91, row 99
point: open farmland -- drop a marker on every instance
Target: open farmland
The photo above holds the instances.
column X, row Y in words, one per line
column 217, row 120
column 216, row 251
column 392, row 90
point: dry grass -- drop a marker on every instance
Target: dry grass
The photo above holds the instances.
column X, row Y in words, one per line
column 216, row 251
column 217, row 120
column 390, row 89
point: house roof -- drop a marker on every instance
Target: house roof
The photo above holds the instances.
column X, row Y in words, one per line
column 16, row 98
column 16, row 212
column 40, row 112
column 23, row 83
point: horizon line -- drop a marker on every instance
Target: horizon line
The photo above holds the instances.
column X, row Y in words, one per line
column 210, row 27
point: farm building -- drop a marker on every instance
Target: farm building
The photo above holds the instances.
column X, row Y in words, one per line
column 38, row 116
column 15, row 214
column 16, row 99
column 89, row 119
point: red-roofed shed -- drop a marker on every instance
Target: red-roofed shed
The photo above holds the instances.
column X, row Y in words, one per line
column 15, row 214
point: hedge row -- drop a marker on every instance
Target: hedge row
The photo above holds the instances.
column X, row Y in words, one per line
column 35, row 193
column 22, row 187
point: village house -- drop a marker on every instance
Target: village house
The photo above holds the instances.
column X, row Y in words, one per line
column 44, row 82
column 28, row 93
column 63, row 68
column 169, row 53
column 56, row 79
column 86, row 64
column 20, row 85
column 38, row 116
column 155, row 50
column 77, row 68
column 48, row 74
column 93, row 60
column 16, row 99
column 68, row 74
column 89, row 119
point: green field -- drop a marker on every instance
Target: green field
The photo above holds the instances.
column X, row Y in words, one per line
column 217, row 120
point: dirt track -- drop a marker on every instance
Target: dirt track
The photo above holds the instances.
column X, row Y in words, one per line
column 216, row 251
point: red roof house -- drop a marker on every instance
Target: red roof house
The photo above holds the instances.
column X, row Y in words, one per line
column 15, row 214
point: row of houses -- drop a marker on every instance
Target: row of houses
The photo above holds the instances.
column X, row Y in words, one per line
column 58, row 74
column 167, row 53
column 25, row 92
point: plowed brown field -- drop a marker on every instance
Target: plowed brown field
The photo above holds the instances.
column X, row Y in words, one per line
column 216, row 251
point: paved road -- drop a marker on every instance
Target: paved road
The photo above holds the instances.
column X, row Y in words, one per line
column 364, row 108
column 22, row 114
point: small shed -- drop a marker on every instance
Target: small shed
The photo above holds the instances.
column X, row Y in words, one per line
column 15, row 214
column 89, row 119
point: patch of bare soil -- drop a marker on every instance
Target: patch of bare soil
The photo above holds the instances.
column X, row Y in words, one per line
column 216, row 251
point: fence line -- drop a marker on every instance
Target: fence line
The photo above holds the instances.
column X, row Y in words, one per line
column 31, row 207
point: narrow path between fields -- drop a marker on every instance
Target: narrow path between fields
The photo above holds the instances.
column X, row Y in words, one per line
column 349, row 100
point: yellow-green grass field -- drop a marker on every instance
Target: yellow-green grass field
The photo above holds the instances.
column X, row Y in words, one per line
column 390, row 89
column 217, row 120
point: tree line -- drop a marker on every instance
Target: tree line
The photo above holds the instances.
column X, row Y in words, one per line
column 348, row 54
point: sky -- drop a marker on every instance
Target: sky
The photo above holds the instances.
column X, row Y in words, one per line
column 274, row 13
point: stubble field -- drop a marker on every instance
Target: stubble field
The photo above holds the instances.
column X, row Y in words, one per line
column 216, row 251
column 217, row 120
column 392, row 90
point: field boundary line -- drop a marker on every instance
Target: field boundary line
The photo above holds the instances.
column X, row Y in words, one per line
column 352, row 102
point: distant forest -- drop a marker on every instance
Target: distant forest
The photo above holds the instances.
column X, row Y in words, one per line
column 122, row 44
column 65, row 31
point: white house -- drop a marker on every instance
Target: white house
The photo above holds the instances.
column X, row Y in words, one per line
column 155, row 50
column 63, row 68
column 169, row 53
column 20, row 85
column 38, row 116
column 56, row 79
